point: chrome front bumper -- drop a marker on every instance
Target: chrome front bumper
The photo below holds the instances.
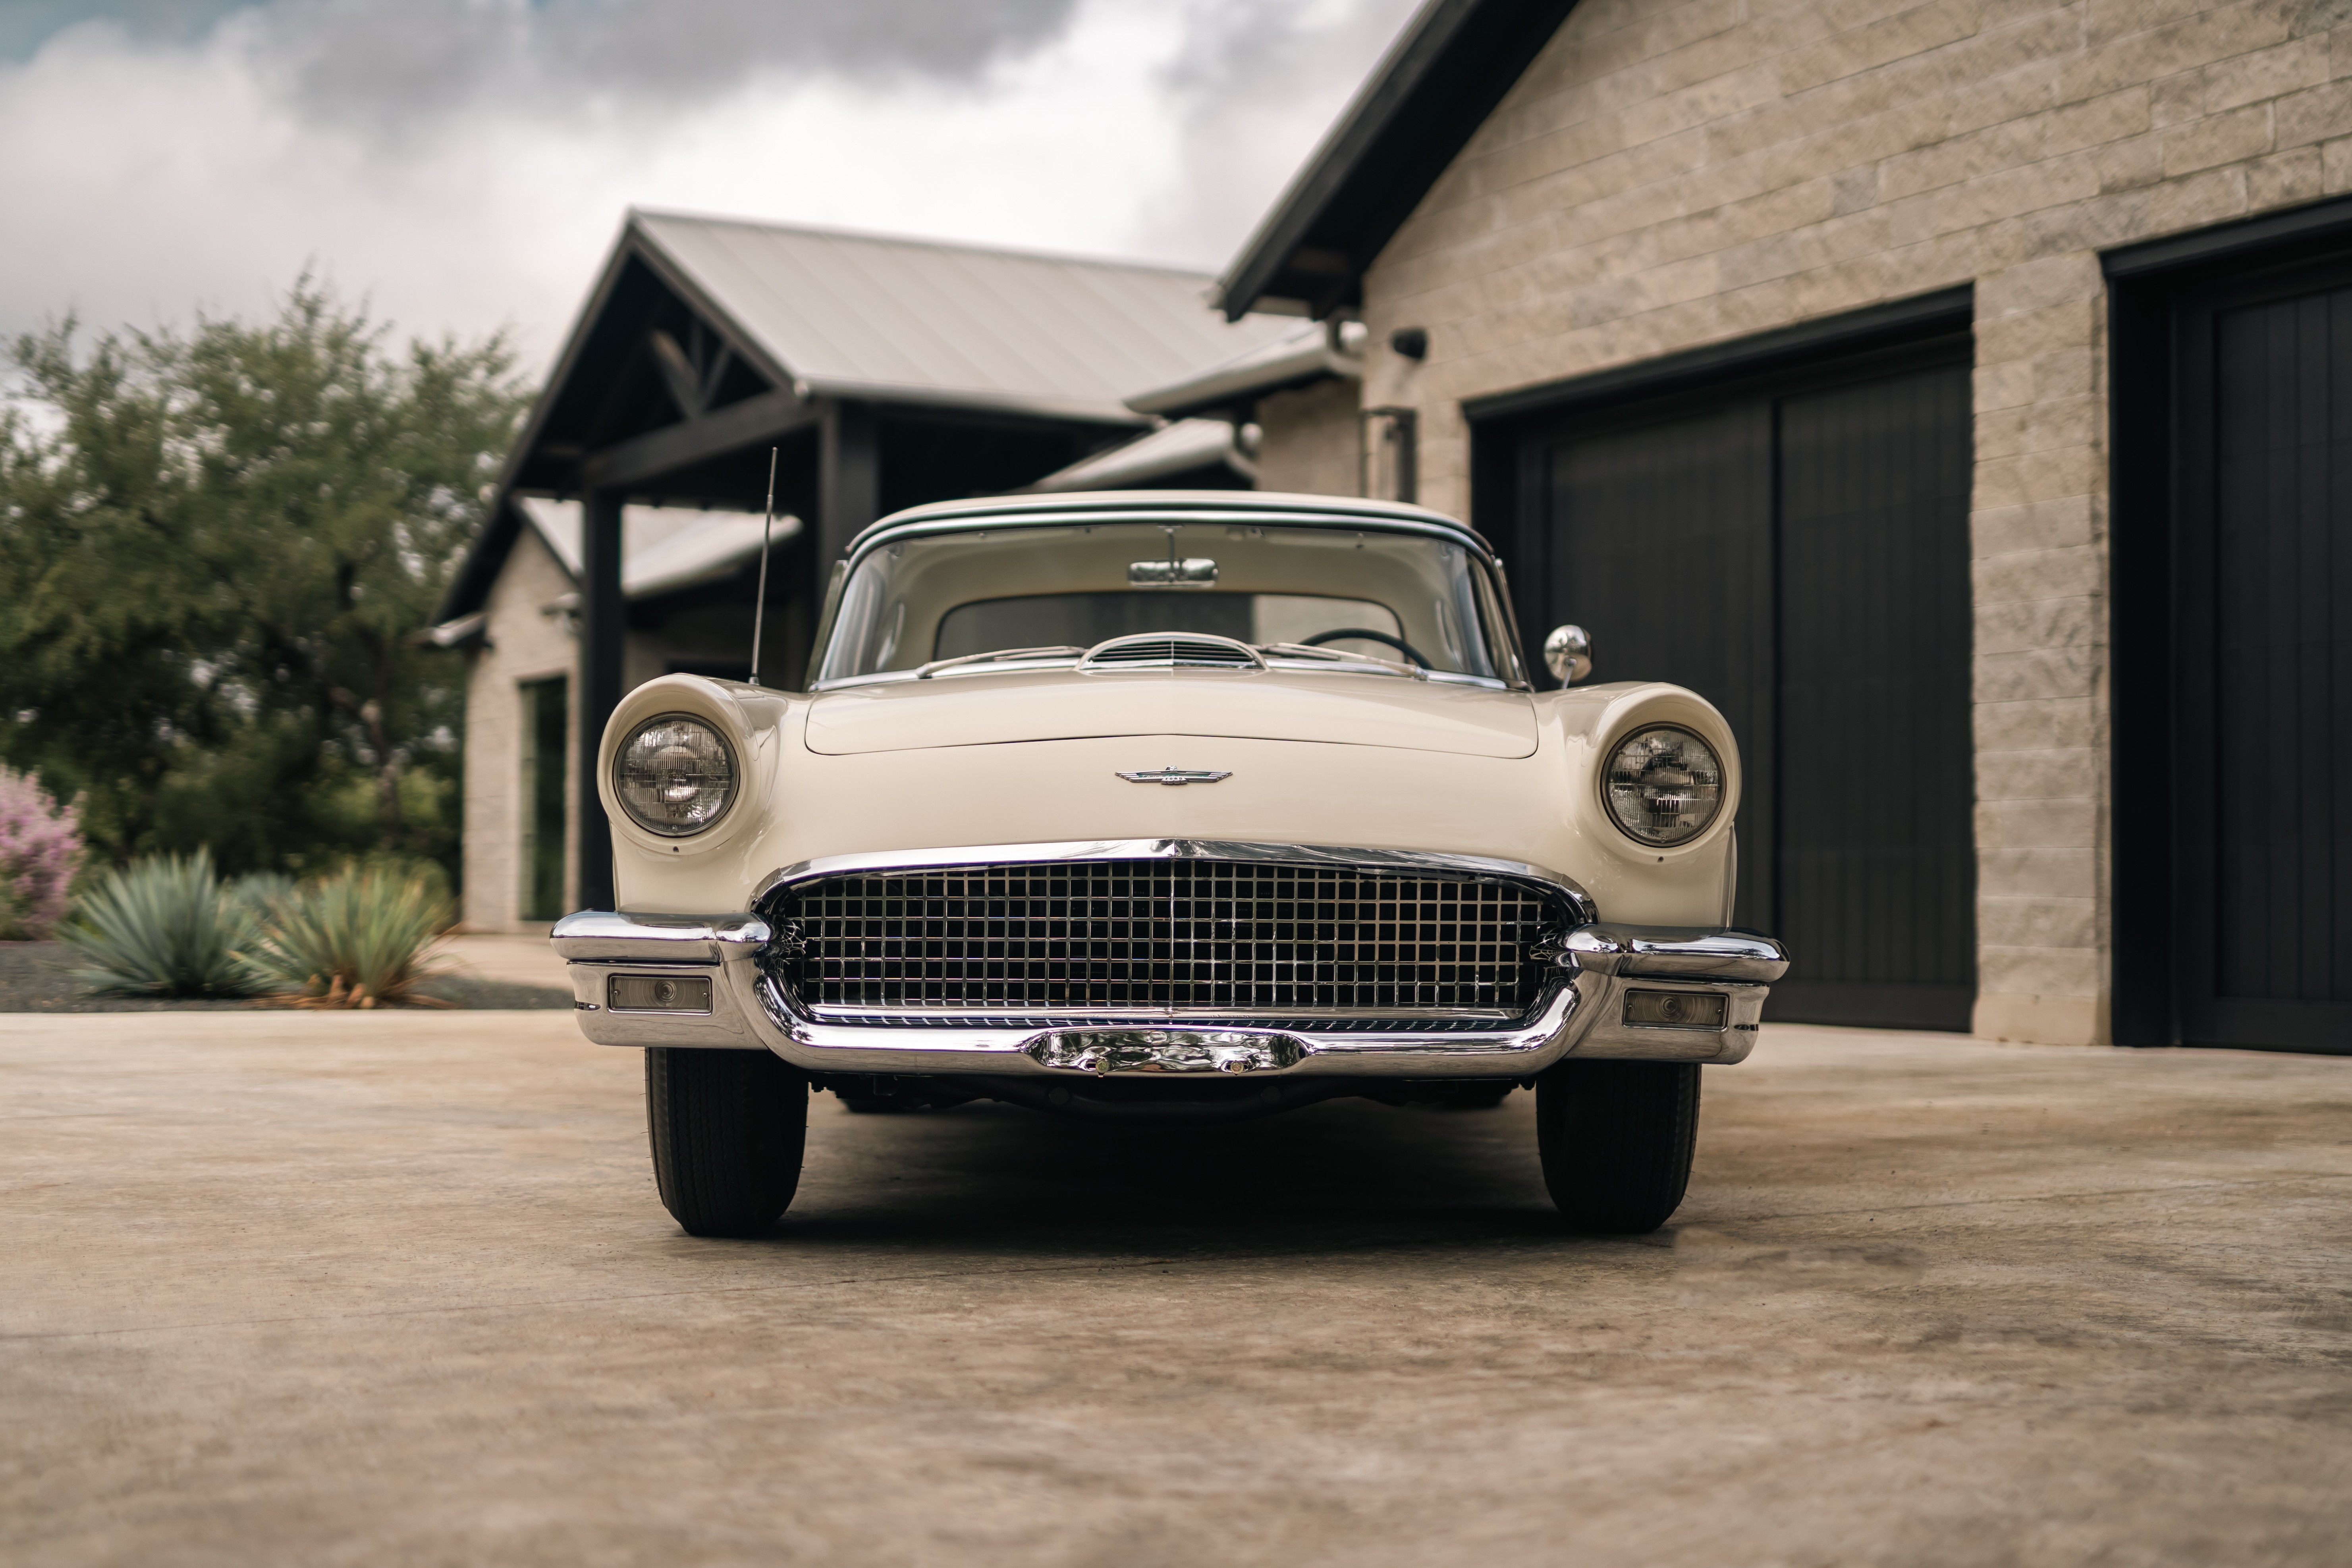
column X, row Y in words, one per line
column 1582, row 1013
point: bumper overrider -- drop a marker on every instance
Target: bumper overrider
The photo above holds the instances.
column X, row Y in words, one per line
column 1605, row 991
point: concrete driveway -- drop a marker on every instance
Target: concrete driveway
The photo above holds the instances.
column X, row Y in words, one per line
column 394, row 1289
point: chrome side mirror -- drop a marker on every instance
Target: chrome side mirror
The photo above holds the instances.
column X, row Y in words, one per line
column 1567, row 653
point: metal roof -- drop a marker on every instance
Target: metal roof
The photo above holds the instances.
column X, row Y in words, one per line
column 1177, row 448
column 909, row 321
column 662, row 548
column 1294, row 358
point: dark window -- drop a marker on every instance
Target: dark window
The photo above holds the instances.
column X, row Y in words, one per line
column 546, row 722
column 1082, row 620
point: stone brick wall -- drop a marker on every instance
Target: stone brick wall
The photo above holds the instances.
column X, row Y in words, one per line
column 525, row 644
column 1307, row 439
column 1675, row 172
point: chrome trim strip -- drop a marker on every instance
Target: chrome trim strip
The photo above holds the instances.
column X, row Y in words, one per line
column 1511, row 1049
column 1680, row 953
column 1271, row 664
column 945, row 1016
column 1004, row 656
column 1394, row 862
column 615, row 936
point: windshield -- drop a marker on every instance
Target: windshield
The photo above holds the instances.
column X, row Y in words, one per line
column 1397, row 597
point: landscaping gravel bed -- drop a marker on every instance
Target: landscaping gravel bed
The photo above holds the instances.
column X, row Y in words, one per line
column 35, row 977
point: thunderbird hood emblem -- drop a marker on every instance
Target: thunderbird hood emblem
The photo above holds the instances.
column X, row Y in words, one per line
column 1176, row 776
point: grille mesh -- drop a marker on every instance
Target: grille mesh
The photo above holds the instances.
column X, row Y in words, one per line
column 1119, row 934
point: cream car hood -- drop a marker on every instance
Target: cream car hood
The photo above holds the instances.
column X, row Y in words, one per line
column 802, row 802
column 1268, row 705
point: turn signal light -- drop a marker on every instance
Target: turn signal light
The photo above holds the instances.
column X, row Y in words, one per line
column 657, row 994
column 1675, row 1009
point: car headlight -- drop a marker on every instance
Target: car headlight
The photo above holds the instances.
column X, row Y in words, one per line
column 675, row 776
column 1664, row 785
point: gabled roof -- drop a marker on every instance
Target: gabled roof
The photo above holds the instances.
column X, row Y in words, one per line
column 1438, row 83
column 912, row 321
column 809, row 314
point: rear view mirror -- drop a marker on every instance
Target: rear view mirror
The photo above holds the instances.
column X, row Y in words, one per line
column 1194, row 572
column 1567, row 653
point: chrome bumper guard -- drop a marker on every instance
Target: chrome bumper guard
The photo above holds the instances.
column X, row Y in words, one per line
column 635, row 983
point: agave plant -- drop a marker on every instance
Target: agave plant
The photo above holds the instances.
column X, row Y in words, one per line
column 363, row 938
column 162, row 927
column 259, row 894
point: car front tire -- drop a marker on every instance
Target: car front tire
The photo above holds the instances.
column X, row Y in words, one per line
column 1616, row 1140
column 727, row 1130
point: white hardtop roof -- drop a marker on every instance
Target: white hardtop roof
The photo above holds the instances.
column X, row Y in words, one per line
column 898, row 320
column 1272, row 507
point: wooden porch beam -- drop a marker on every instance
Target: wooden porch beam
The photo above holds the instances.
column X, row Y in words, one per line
column 626, row 464
column 849, row 479
column 604, row 630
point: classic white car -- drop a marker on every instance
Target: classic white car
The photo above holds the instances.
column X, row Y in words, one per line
column 1170, row 805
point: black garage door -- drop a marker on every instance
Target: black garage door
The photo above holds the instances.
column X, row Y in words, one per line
column 2263, row 662
column 1796, row 551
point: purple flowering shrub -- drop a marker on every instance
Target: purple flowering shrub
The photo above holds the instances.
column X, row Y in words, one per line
column 40, row 850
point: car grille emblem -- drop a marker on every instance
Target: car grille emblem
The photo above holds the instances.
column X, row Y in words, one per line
column 1176, row 776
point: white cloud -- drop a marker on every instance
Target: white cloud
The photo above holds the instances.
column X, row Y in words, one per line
column 150, row 175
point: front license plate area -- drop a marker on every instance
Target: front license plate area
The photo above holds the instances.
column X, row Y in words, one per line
column 1106, row 1051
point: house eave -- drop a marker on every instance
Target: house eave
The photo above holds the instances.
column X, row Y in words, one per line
column 1437, row 84
column 1231, row 389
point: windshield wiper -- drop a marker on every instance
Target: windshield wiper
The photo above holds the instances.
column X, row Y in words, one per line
column 925, row 672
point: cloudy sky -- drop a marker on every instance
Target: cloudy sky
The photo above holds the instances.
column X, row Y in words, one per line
column 464, row 163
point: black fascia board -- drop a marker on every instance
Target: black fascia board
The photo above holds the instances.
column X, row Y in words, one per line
column 1856, row 331
column 1423, row 103
column 2320, row 223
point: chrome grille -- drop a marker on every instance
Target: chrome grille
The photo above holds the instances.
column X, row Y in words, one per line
column 1071, row 937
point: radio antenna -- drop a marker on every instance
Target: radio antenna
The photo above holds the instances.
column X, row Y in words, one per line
column 760, row 606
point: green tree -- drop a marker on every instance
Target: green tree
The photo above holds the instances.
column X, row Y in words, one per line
column 214, row 549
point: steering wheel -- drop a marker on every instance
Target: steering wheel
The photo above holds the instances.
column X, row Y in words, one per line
column 1402, row 647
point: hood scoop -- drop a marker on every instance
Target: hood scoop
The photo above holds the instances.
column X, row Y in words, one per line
column 1170, row 650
